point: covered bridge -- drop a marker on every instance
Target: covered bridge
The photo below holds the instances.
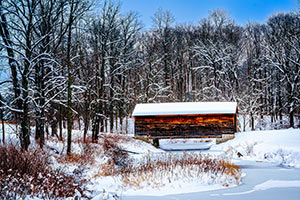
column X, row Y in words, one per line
column 185, row 120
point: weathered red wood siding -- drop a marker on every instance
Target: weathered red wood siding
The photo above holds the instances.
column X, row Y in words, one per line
column 185, row 126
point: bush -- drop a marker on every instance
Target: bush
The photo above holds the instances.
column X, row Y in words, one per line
column 27, row 162
column 157, row 173
column 24, row 173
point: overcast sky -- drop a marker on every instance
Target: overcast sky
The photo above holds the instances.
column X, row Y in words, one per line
column 186, row 11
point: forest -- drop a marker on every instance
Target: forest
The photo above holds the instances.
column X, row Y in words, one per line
column 71, row 61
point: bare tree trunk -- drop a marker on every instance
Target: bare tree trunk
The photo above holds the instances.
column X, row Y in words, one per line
column 252, row 121
column 95, row 130
column 47, row 130
column 69, row 66
column 291, row 116
column 111, row 108
column 60, row 123
column 54, row 127
column 86, row 126
column 40, row 89
column 290, row 104
column 25, row 121
column 102, row 125
column 244, row 123
column 69, row 115
column 121, row 121
column 126, row 124
column 105, row 125
column 3, row 129
column 116, row 122
column 2, row 120
column 111, row 123
column 79, row 124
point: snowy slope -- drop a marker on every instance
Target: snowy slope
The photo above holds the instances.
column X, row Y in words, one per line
column 280, row 146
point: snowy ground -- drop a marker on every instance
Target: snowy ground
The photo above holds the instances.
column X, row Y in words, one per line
column 279, row 146
column 270, row 162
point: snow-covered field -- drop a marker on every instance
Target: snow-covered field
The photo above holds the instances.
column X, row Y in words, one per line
column 279, row 148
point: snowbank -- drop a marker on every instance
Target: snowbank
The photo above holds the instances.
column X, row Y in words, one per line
column 280, row 146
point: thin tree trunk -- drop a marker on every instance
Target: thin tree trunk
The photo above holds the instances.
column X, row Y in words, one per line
column 105, row 125
column 116, row 122
column 111, row 121
column 60, row 123
column 86, row 126
column 95, row 130
column 69, row 65
column 126, row 125
column 79, row 124
column 2, row 120
column 47, row 130
column 244, row 123
column 54, row 127
column 252, row 121
column 102, row 125
column 121, row 121
column 25, row 121
column 291, row 116
column 3, row 129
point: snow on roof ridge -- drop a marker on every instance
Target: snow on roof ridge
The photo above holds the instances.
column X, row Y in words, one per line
column 180, row 108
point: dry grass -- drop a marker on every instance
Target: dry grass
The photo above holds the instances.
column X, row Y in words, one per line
column 157, row 173
column 188, row 167
column 86, row 157
column 80, row 159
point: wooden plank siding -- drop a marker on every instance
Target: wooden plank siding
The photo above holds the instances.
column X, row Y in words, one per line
column 185, row 126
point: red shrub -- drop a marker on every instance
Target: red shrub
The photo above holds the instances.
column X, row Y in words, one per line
column 25, row 173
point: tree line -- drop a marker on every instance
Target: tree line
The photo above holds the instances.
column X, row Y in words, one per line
column 69, row 62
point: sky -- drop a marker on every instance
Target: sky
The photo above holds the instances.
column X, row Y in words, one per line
column 192, row 11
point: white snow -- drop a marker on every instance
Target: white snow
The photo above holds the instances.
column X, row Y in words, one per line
column 270, row 184
column 277, row 184
column 280, row 146
column 185, row 108
column 177, row 187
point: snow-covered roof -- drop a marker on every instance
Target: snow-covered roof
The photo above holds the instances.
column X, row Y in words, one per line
column 184, row 108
